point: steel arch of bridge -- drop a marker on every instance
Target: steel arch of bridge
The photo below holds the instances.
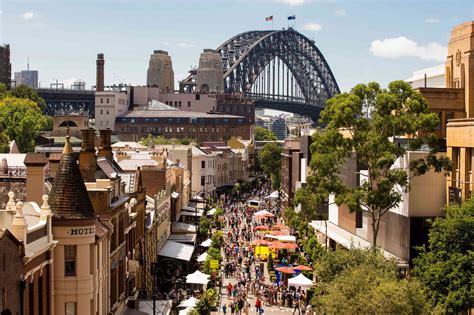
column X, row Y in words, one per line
column 247, row 57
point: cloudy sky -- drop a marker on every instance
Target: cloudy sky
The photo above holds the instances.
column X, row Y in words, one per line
column 362, row 40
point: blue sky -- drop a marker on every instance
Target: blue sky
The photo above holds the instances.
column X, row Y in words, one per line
column 361, row 40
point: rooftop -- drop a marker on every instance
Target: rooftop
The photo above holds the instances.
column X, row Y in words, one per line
column 173, row 114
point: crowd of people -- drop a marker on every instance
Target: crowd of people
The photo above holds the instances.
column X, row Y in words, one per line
column 247, row 268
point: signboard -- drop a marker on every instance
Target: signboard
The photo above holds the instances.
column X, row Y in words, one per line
column 81, row 231
column 454, row 195
column 214, row 264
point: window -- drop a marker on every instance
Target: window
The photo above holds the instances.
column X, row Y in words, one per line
column 189, row 103
column 179, row 104
column 198, row 97
column 101, row 100
column 132, row 120
column 203, row 164
column 101, row 111
column 203, row 180
column 175, row 103
column 107, row 111
column 70, row 308
column 69, row 260
column 107, row 100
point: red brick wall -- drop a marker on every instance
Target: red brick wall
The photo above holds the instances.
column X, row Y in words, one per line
column 11, row 268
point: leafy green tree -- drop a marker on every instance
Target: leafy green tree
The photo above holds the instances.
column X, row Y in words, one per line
column 365, row 290
column 151, row 140
column 21, row 120
column 24, row 92
column 270, row 161
column 263, row 134
column 446, row 265
column 365, row 124
column 4, row 143
column 217, row 239
column 204, row 226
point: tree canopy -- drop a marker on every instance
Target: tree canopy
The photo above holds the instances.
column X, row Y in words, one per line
column 446, row 265
column 151, row 140
column 269, row 159
column 263, row 134
column 357, row 281
column 24, row 92
column 365, row 124
column 21, row 120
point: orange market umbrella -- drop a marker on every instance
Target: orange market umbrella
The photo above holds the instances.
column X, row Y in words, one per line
column 259, row 242
column 285, row 232
column 262, row 227
column 285, row 269
column 279, row 226
column 302, row 268
column 290, row 245
column 277, row 245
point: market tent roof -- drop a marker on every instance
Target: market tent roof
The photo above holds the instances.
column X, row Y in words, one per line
column 179, row 227
column 285, row 269
column 302, row 268
column 212, row 211
column 274, row 195
column 300, row 281
column 191, row 302
column 197, row 273
column 185, row 311
column 177, row 250
column 282, row 238
column 263, row 213
column 188, row 208
column 202, row 257
column 207, row 243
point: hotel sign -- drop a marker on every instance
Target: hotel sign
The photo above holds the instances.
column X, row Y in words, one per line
column 81, row 231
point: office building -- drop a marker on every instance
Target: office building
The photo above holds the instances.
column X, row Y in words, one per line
column 5, row 65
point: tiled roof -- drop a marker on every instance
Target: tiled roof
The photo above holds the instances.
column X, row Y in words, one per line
column 68, row 198
column 173, row 114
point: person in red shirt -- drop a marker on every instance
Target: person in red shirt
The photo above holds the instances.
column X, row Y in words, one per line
column 229, row 289
column 258, row 305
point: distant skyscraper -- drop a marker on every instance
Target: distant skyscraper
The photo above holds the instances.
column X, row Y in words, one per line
column 27, row 77
column 160, row 71
column 5, row 65
column 278, row 127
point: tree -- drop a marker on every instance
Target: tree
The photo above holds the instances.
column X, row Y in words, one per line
column 446, row 265
column 365, row 124
column 4, row 143
column 270, row 161
column 151, row 140
column 263, row 134
column 365, row 290
column 24, row 92
column 21, row 120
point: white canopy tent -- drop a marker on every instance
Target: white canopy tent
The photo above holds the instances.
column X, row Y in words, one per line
column 206, row 243
column 282, row 238
column 300, row 281
column 211, row 212
column 274, row 195
column 197, row 273
column 179, row 227
column 196, row 280
column 202, row 257
column 185, row 311
column 191, row 302
column 263, row 213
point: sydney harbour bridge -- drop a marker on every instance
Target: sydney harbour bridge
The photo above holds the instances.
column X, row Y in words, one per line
column 279, row 69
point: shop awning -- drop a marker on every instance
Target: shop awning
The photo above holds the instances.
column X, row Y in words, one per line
column 179, row 227
column 188, row 208
column 177, row 250
column 183, row 238
column 199, row 213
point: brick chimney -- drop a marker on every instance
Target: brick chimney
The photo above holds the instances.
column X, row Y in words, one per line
column 87, row 158
column 105, row 148
column 99, row 84
column 35, row 176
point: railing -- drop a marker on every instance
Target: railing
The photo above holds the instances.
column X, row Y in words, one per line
column 13, row 172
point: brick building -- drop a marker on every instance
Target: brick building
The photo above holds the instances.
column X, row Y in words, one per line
column 200, row 127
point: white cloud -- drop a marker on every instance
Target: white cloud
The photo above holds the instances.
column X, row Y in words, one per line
column 27, row 15
column 312, row 27
column 186, row 45
column 340, row 12
column 432, row 20
column 403, row 47
column 293, row 3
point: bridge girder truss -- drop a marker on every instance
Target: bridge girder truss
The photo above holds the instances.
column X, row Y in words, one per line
column 249, row 56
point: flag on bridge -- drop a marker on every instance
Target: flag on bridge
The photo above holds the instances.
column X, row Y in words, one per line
column 270, row 18
column 292, row 17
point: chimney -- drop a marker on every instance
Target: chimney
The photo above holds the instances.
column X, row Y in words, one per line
column 87, row 159
column 99, row 84
column 35, row 176
column 105, row 148
column 19, row 226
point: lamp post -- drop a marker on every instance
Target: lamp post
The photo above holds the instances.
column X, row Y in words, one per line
column 154, row 273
